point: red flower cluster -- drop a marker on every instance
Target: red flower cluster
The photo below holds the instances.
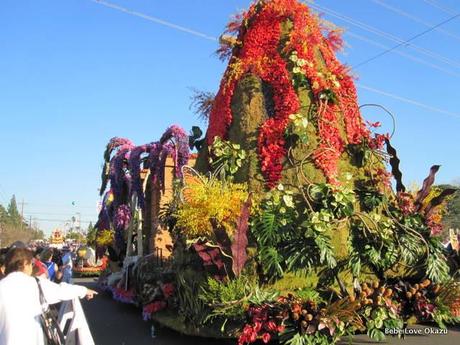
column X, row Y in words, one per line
column 382, row 178
column 122, row 295
column 406, row 203
column 263, row 325
column 424, row 309
column 260, row 55
column 377, row 142
column 152, row 308
column 167, row 289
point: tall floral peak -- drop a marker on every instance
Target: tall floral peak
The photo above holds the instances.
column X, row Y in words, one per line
column 261, row 49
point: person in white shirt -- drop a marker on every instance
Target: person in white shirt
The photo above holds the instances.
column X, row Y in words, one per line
column 20, row 306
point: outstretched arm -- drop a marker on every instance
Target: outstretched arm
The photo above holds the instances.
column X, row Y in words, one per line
column 55, row 293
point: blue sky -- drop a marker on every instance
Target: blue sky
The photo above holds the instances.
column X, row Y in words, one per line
column 75, row 73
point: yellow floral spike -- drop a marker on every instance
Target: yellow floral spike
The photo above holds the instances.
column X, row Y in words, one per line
column 209, row 200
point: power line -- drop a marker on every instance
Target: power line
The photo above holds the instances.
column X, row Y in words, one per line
column 58, row 220
column 435, row 4
column 381, row 33
column 389, row 36
column 413, row 18
column 155, row 20
column 408, row 100
column 61, row 205
column 408, row 56
column 59, row 214
column 407, row 41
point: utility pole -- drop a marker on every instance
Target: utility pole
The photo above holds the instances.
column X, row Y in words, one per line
column 22, row 208
column 22, row 213
column 22, row 203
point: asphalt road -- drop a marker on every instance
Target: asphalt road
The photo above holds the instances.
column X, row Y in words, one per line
column 114, row 323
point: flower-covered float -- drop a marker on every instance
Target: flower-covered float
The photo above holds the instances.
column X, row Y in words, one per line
column 286, row 226
column 85, row 264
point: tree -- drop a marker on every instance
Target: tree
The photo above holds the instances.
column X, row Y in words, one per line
column 38, row 234
column 13, row 213
column 91, row 234
column 451, row 219
column 3, row 214
column 13, row 228
column 75, row 236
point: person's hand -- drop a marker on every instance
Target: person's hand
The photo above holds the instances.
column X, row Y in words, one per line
column 90, row 294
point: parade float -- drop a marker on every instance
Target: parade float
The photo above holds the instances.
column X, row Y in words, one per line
column 85, row 264
column 57, row 238
column 285, row 226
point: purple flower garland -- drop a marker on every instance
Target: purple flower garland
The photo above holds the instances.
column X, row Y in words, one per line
column 121, row 222
column 113, row 143
column 117, row 174
column 181, row 153
column 135, row 170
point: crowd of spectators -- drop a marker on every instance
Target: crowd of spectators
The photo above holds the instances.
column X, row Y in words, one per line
column 25, row 274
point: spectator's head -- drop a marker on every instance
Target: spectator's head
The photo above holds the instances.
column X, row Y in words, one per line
column 38, row 253
column 19, row 260
column 18, row 244
column 3, row 252
column 47, row 255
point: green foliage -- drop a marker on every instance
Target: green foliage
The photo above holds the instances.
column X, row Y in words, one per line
column 297, row 128
column 301, row 255
column 3, row 214
column 410, row 249
column 316, row 227
column 378, row 319
column 371, row 199
column 188, row 287
column 288, row 242
column 262, row 296
column 273, row 227
column 360, row 153
column 91, row 232
column 14, row 228
column 339, row 201
column 437, row 268
column 13, row 213
column 306, row 339
column 75, row 236
column 443, row 316
column 299, row 79
column 451, row 218
column 218, row 292
column 226, row 299
column 309, row 294
column 226, row 158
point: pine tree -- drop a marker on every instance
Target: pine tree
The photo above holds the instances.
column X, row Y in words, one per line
column 13, row 213
column 3, row 214
column 91, row 234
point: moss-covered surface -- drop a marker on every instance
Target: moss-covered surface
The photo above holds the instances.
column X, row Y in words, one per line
column 291, row 283
column 249, row 112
